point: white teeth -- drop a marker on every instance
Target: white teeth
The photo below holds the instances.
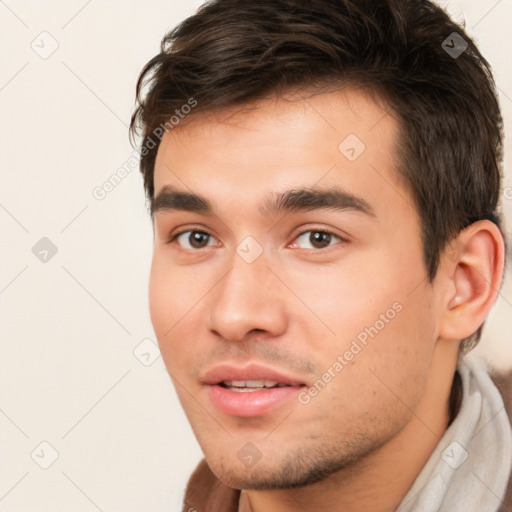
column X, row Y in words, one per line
column 244, row 386
column 250, row 383
column 244, row 390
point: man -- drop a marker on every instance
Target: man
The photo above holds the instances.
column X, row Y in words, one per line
column 324, row 179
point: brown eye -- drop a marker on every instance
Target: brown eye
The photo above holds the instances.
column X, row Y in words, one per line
column 320, row 239
column 193, row 239
column 316, row 239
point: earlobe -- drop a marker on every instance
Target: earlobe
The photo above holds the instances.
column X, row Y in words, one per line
column 475, row 271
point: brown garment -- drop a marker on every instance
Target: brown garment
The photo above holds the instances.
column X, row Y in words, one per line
column 206, row 493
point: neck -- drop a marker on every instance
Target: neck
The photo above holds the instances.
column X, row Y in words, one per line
column 379, row 481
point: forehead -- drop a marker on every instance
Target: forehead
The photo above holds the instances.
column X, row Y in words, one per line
column 339, row 139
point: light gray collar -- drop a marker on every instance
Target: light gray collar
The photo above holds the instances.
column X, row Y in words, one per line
column 470, row 467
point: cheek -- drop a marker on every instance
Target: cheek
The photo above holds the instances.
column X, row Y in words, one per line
column 385, row 333
column 178, row 305
column 171, row 306
column 173, row 292
column 375, row 391
column 390, row 368
column 346, row 304
column 161, row 298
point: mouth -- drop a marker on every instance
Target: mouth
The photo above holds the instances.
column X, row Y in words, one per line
column 250, row 386
column 250, row 391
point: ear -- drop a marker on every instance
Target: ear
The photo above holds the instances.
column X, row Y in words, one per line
column 473, row 264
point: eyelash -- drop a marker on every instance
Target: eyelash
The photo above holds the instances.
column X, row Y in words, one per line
column 174, row 237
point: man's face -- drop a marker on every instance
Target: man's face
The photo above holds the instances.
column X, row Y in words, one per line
column 324, row 294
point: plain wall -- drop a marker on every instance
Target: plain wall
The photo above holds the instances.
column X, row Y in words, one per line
column 70, row 325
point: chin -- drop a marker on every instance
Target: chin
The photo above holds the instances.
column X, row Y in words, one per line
column 293, row 471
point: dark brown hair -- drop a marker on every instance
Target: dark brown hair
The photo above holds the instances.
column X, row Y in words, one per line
column 425, row 66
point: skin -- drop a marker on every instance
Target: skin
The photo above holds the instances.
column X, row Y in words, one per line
column 358, row 444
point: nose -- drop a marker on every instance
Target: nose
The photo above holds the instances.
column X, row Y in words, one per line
column 248, row 298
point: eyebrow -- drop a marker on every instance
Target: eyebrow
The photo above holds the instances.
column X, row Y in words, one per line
column 296, row 200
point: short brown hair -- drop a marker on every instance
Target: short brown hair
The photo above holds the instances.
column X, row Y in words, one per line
column 410, row 52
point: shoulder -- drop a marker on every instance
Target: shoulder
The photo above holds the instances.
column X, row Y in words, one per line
column 503, row 381
column 206, row 493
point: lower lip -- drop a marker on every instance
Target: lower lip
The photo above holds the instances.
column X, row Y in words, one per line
column 250, row 403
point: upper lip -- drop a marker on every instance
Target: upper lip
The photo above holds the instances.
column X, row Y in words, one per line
column 225, row 372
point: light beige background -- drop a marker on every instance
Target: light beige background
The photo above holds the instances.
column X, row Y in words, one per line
column 73, row 372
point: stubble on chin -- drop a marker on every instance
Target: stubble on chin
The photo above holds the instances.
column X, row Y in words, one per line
column 292, row 470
